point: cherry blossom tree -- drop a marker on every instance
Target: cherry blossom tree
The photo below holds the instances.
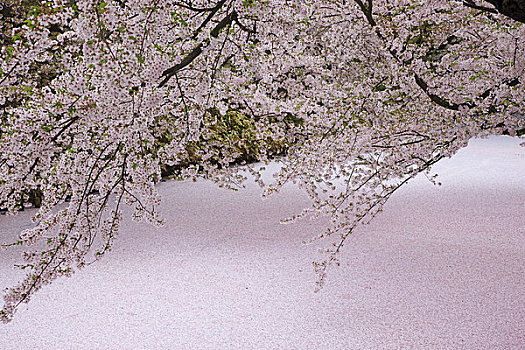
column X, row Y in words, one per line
column 366, row 93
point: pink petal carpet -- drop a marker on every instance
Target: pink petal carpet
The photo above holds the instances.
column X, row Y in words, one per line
column 441, row 268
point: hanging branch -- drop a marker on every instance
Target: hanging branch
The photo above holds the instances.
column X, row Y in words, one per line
column 170, row 72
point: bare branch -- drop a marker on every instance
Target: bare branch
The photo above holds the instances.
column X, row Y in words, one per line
column 472, row 4
column 168, row 73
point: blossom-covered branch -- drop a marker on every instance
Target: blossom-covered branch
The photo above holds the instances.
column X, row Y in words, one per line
column 365, row 95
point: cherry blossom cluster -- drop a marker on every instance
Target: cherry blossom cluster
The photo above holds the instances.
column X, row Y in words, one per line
column 379, row 91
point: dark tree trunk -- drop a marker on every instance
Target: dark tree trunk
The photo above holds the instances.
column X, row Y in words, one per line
column 514, row 9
